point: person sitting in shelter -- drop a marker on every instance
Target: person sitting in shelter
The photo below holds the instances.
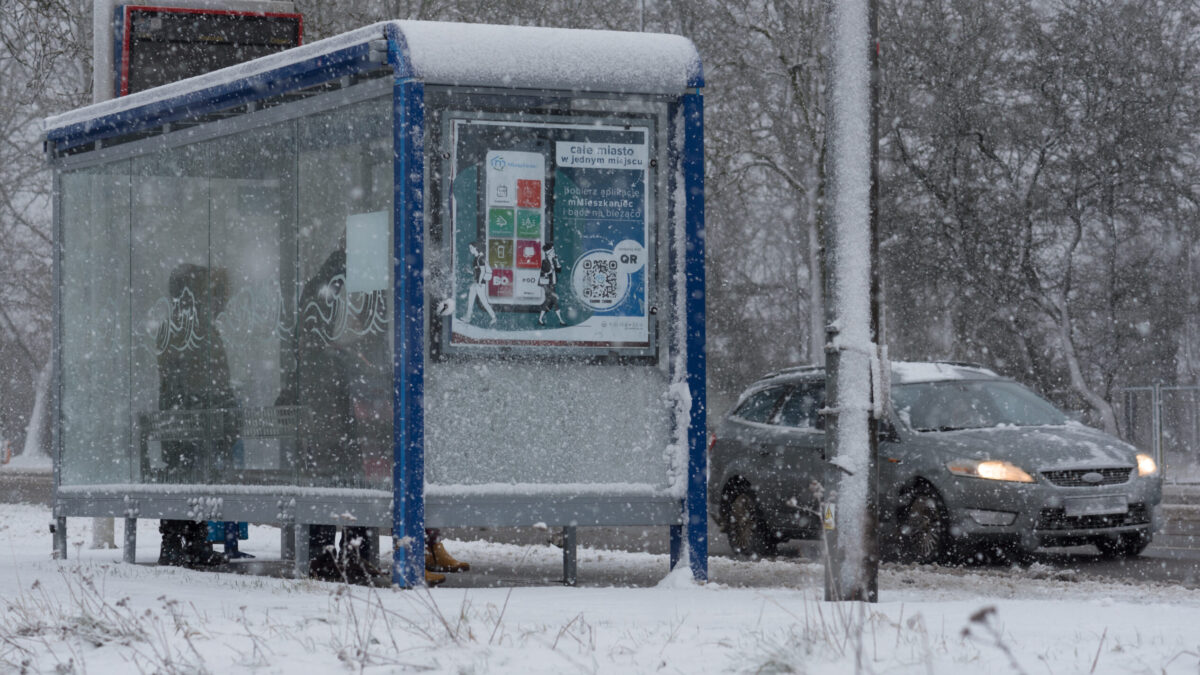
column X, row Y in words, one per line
column 340, row 341
column 194, row 376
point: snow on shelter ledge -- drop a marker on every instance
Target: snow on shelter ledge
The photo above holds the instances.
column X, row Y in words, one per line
column 436, row 52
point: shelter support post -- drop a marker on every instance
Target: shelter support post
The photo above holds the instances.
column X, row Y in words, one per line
column 408, row 423
column 696, row 507
column 287, row 543
column 570, row 555
column 129, row 542
column 300, row 550
column 60, row 537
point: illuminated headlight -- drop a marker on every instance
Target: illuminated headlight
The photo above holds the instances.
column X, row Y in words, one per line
column 1146, row 465
column 991, row 469
column 992, row 517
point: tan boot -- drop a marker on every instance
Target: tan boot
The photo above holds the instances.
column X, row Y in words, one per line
column 433, row 578
column 439, row 560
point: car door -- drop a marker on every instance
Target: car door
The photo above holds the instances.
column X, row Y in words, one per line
column 743, row 443
column 796, row 455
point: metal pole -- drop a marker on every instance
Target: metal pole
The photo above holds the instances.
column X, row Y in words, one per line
column 102, row 50
column 1156, row 428
column 852, row 563
column 871, row 519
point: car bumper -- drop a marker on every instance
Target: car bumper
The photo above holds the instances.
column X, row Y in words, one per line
column 1042, row 514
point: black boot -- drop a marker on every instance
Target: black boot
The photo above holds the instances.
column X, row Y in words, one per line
column 358, row 556
column 172, row 551
column 198, row 552
column 323, row 561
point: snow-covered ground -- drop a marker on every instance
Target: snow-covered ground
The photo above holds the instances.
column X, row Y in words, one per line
column 92, row 614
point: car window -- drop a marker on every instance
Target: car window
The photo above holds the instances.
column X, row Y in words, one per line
column 802, row 407
column 948, row 406
column 760, row 406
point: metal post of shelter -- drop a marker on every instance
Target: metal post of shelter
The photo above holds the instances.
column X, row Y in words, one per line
column 570, row 555
column 408, row 468
column 696, row 509
column 129, row 548
column 60, row 538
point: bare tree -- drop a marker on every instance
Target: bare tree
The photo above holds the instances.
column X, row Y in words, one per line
column 43, row 70
column 1041, row 157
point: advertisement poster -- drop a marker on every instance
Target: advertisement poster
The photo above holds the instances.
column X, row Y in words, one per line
column 551, row 238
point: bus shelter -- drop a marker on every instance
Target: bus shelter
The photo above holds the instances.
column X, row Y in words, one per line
column 416, row 275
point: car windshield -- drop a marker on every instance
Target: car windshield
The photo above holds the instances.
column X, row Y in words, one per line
column 971, row 404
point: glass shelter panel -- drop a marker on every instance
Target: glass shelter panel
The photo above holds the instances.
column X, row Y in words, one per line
column 252, row 230
column 95, row 325
column 343, row 378
column 226, row 307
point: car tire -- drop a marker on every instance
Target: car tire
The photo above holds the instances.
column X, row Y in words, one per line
column 746, row 530
column 1125, row 545
column 924, row 533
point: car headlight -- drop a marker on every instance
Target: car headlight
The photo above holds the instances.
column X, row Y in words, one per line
column 992, row 469
column 1146, row 465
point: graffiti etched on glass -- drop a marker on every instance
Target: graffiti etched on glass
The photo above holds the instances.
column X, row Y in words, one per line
column 335, row 312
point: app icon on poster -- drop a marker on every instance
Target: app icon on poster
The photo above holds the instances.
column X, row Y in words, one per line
column 529, row 224
column 501, row 223
column 501, row 284
column 500, row 253
column 529, row 193
column 525, row 285
column 529, row 253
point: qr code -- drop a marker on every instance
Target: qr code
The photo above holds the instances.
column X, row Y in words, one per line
column 599, row 280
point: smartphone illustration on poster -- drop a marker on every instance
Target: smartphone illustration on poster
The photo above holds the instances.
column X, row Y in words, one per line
column 515, row 208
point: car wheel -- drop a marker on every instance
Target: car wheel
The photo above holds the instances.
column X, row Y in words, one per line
column 1126, row 545
column 747, row 533
column 924, row 532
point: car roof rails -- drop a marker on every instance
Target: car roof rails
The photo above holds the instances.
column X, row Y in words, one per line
column 968, row 364
column 794, row 370
column 790, row 370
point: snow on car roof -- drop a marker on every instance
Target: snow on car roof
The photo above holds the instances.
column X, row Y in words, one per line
column 907, row 372
column 437, row 52
column 902, row 372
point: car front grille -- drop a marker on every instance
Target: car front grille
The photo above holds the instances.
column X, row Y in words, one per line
column 1074, row 477
column 1057, row 519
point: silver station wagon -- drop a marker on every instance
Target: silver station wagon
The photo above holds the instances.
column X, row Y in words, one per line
column 970, row 464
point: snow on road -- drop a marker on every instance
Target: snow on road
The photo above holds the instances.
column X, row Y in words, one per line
column 93, row 614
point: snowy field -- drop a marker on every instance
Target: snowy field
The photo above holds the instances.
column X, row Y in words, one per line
column 92, row 614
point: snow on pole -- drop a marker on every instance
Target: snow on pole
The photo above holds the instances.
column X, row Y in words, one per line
column 850, row 178
column 102, row 50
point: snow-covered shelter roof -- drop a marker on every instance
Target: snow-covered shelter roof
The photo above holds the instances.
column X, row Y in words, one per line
column 516, row 57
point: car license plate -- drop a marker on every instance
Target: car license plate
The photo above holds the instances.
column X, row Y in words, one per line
column 1096, row 506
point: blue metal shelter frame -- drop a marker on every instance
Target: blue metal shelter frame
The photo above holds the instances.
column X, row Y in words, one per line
column 364, row 53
